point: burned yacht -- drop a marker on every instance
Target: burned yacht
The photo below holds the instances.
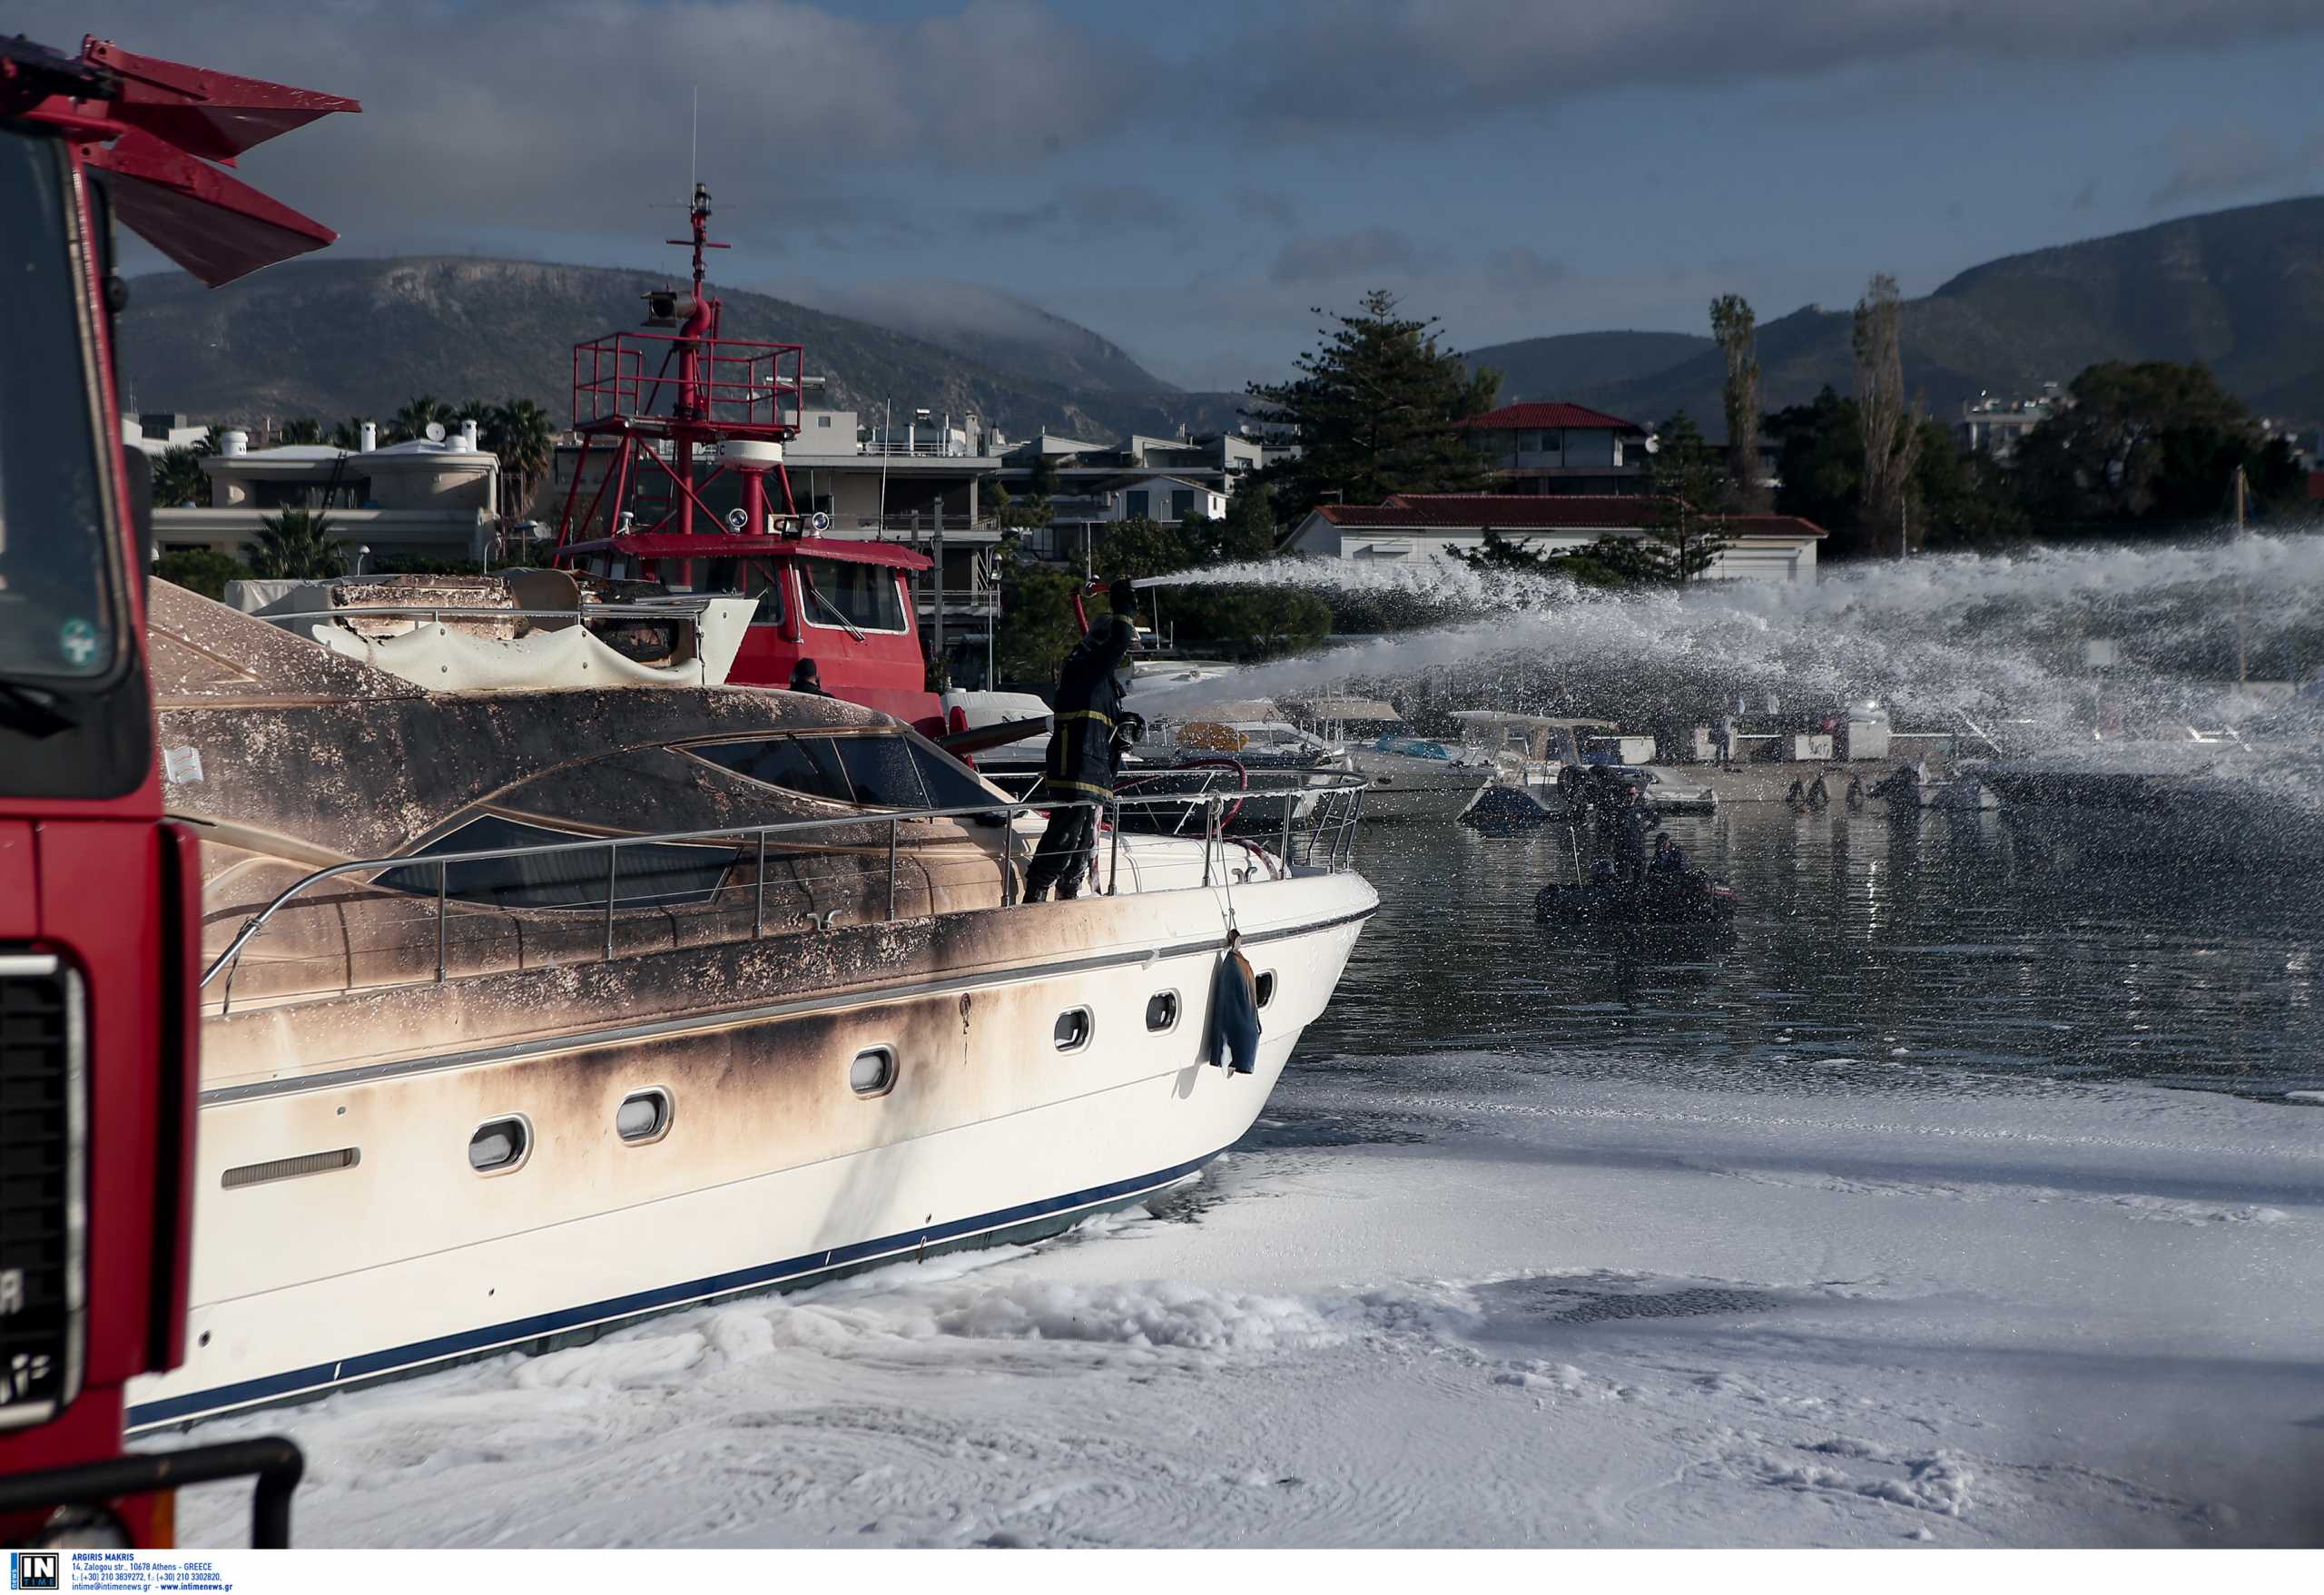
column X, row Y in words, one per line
column 529, row 1013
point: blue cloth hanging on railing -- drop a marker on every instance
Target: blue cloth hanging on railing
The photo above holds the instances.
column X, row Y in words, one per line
column 1233, row 1038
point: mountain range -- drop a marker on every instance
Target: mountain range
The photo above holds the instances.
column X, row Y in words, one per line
column 332, row 338
column 2242, row 290
column 2239, row 290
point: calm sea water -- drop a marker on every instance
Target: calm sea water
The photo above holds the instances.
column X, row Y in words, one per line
column 1924, row 952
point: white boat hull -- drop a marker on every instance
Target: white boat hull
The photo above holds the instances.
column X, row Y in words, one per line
column 772, row 1171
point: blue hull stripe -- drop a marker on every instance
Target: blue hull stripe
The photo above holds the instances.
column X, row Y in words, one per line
column 398, row 1359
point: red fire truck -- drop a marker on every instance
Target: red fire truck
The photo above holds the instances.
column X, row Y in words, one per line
column 99, row 896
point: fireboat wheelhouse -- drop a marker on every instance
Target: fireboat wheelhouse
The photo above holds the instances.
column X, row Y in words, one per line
column 653, row 409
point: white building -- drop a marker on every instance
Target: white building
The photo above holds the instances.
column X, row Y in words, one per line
column 418, row 499
column 1413, row 528
column 155, row 433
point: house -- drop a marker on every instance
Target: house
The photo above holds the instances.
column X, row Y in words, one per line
column 1413, row 528
column 431, row 500
column 1096, row 485
column 1541, row 449
column 1996, row 427
column 156, row 432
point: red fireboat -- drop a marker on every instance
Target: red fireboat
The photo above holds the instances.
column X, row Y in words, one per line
column 666, row 419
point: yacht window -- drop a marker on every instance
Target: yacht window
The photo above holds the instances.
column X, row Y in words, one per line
column 1071, row 1031
column 499, row 1146
column 864, row 594
column 643, row 1116
column 805, row 764
column 1162, row 1011
column 882, row 769
column 649, row 874
column 950, row 783
column 1265, row 984
column 874, row 1072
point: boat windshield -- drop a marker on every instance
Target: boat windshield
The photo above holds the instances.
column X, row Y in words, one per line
column 57, row 606
column 843, row 593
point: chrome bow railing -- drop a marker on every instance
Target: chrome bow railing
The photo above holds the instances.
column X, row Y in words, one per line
column 1326, row 848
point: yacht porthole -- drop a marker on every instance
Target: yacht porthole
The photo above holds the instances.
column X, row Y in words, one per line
column 1073, row 1029
column 874, row 1072
column 644, row 1116
column 500, row 1146
column 1265, row 984
column 1162, row 1011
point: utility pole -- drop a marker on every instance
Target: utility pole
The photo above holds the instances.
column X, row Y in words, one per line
column 939, row 631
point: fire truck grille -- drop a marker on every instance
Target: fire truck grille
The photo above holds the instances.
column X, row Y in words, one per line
column 40, row 1082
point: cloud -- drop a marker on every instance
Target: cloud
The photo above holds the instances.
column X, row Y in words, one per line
column 1368, row 252
column 2223, row 163
column 1088, row 211
column 1268, row 205
column 573, row 115
column 1521, row 268
column 1319, row 63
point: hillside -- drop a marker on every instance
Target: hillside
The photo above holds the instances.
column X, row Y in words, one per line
column 333, row 338
column 992, row 328
column 2241, row 290
column 1577, row 362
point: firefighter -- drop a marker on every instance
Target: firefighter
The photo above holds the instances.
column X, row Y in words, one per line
column 1083, row 749
column 806, row 678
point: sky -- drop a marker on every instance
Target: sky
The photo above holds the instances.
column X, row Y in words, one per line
column 1193, row 180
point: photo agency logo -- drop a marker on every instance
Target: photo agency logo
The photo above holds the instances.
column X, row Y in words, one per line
column 35, row 1569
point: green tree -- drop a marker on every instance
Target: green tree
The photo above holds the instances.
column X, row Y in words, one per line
column 1961, row 502
column 305, row 430
column 1249, row 622
column 413, row 419
column 1687, row 535
column 200, row 570
column 296, row 545
column 1042, row 481
column 2153, row 441
column 521, row 432
column 1249, row 530
column 1820, row 461
column 178, row 478
column 1018, row 514
column 1732, row 324
column 1375, row 409
column 1891, row 436
column 1610, row 562
column 1037, row 626
column 346, row 434
column 1140, row 546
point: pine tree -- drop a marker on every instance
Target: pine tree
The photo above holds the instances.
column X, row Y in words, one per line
column 1375, row 409
column 1686, row 536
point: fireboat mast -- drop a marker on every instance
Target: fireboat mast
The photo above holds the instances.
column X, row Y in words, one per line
column 658, row 399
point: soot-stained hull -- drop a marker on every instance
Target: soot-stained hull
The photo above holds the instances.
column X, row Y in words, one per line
column 1044, row 1061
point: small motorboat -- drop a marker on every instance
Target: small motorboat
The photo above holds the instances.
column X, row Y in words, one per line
column 1681, row 897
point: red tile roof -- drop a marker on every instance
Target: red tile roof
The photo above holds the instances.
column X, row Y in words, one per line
column 1548, row 512
column 1531, row 416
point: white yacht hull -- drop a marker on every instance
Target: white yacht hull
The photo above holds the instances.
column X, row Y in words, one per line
column 772, row 1171
column 1407, row 788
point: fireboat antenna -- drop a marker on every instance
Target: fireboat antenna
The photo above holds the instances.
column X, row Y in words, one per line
column 694, row 152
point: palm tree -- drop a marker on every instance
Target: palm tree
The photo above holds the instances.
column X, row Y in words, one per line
column 520, row 433
column 304, row 430
column 411, row 420
column 296, row 545
column 178, row 478
column 348, row 434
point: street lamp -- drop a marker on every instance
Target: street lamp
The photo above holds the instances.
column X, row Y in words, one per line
column 363, row 552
